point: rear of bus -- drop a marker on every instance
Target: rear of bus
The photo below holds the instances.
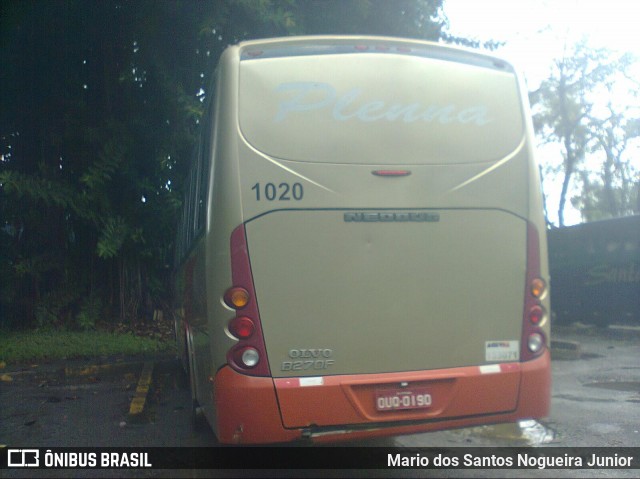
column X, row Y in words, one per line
column 381, row 211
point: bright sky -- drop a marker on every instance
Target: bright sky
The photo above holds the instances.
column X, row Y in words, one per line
column 536, row 32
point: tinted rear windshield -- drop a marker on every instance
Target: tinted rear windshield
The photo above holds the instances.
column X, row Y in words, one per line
column 379, row 107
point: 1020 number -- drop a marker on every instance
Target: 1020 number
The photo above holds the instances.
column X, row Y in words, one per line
column 281, row 192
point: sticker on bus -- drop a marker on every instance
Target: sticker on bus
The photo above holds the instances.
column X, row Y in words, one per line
column 502, row 350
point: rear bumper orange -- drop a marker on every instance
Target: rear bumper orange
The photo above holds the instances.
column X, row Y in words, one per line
column 253, row 410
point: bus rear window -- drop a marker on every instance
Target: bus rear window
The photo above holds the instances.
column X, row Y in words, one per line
column 379, row 109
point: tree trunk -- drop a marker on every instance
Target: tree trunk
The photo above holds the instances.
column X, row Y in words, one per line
column 570, row 161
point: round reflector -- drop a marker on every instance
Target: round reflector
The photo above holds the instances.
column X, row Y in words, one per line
column 242, row 327
column 250, row 357
column 535, row 342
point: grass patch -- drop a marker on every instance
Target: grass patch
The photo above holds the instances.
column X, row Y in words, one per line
column 23, row 346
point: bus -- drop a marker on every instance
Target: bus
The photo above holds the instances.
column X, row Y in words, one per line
column 362, row 249
column 595, row 272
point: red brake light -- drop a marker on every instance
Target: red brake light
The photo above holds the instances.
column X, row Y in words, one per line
column 536, row 315
column 241, row 327
column 391, row 172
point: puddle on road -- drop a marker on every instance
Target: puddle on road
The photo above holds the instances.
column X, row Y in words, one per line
column 626, row 386
column 570, row 397
column 535, row 433
column 530, row 433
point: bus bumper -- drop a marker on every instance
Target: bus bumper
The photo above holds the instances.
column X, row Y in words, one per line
column 253, row 410
column 247, row 410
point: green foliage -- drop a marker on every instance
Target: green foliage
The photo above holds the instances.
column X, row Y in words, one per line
column 113, row 235
column 16, row 347
column 35, row 265
column 99, row 108
column 8, row 276
column 91, row 312
column 55, row 308
column 45, row 315
column 37, row 189
column 279, row 15
column 100, row 172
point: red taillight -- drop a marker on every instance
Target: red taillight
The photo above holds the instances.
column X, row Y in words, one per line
column 249, row 355
column 241, row 327
column 536, row 315
column 391, row 172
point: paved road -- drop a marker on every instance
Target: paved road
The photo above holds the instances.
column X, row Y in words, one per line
column 596, row 398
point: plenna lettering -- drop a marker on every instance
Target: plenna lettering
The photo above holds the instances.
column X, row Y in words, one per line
column 312, row 96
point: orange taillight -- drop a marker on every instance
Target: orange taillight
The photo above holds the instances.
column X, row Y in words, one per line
column 538, row 288
column 236, row 298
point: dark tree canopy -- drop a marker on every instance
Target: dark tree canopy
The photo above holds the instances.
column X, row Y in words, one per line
column 99, row 105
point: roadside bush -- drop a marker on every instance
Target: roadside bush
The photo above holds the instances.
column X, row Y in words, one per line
column 55, row 309
column 91, row 311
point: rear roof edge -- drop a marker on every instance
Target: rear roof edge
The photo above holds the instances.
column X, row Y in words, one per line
column 325, row 45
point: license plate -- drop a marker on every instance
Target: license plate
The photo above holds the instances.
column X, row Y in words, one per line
column 399, row 399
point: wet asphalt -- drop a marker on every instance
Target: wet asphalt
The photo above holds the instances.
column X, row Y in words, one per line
column 595, row 403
